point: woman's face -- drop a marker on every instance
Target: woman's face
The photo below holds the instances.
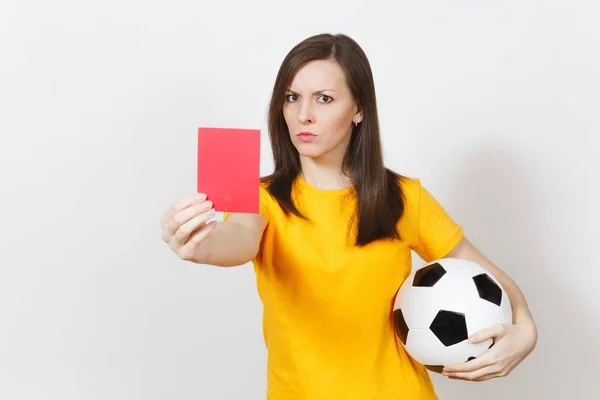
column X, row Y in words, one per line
column 319, row 110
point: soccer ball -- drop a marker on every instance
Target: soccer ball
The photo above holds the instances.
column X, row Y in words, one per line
column 441, row 304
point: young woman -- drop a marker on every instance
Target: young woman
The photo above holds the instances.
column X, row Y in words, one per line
column 332, row 242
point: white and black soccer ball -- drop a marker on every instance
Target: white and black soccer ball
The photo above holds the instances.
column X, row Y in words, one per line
column 444, row 302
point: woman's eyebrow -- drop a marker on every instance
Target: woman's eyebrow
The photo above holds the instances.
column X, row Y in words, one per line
column 317, row 92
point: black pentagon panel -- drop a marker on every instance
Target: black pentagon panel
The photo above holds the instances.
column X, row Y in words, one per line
column 491, row 345
column 488, row 289
column 429, row 275
column 435, row 368
column 449, row 327
column 400, row 325
column 471, row 358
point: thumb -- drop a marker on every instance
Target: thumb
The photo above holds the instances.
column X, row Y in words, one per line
column 487, row 333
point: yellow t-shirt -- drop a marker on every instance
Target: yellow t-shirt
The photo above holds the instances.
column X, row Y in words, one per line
column 328, row 320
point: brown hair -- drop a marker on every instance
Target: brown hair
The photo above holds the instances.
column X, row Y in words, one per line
column 380, row 201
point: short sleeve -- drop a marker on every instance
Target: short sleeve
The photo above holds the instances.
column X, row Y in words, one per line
column 437, row 233
column 264, row 201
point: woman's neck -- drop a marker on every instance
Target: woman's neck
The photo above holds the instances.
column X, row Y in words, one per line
column 322, row 175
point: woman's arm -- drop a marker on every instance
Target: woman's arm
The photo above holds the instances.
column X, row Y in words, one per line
column 467, row 251
column 235, row 241
column 513, row 343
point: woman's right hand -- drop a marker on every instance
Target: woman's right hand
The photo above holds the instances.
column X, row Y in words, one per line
column 185, row 228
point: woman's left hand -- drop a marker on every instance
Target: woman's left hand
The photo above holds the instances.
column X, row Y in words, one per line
column 512, row 343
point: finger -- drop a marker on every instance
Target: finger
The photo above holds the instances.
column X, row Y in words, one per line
column 185, row 231
column 469, row 366
column 488, row 333
column 488, row 377
column 180, row 205
column 184, row 216
column 189, row 250
column 473, row 375
column 199, row 236
column 180, row 218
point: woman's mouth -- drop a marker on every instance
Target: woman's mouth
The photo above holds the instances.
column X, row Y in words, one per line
column 306, row 136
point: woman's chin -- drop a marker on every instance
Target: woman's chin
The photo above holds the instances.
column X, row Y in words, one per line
column 309, row 151
column 310, row 154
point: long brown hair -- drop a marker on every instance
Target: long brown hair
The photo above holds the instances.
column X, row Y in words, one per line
column 380, row 201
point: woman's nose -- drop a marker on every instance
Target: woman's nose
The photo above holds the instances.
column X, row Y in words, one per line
column 305, row 115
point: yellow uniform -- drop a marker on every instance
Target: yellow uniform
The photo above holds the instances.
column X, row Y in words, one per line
column 328, row 321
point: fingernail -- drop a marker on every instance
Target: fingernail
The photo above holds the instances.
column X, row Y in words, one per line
column 201, row 196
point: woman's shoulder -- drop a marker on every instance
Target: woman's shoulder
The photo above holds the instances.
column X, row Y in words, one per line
column 265, row 182
column 409, row 185
column 268, row 201
column 412, row 192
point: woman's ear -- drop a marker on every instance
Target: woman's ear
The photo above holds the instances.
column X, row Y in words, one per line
column 358, row 115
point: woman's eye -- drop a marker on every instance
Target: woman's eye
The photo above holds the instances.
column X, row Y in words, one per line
column 323, row 98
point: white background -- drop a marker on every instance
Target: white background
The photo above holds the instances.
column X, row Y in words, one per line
column 494, row 105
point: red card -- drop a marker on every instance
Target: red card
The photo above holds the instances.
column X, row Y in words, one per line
column 229, row 168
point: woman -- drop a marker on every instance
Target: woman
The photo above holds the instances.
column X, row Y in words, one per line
column 332, row 242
